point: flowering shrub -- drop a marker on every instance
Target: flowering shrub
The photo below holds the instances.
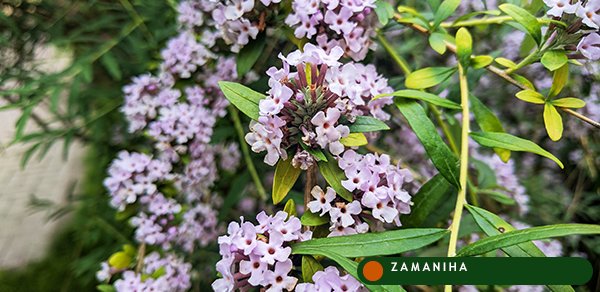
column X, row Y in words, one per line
column 378, row 123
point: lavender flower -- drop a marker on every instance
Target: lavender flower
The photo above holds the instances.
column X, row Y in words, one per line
column 560, row 7
column 589, row 14
column 331, row 280
column 308, row 106
column 174, row 275
column 589, row 46
column 183, row 55
column 258, row 255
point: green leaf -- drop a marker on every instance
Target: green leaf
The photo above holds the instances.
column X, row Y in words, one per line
column 494, row 225
column 334, row 177
column 444, row 11
column 437, row 43
column 428, row 77
column 22, row 121
column 367, row 124
column 497, row 196
column 506, row 62
column 119, row 260
column 354, row 139
column 482, row 61
column 568, row 102
column 309, row 267
column 488, row 122
column 242, row 97
column 559, row 80
column 285, row 178
column 430, row 196
column 553, row 122
column 553, row 60
column 524, row 18
column 519, row 236
column 316, row 153
column 290, row 208
column 427, row 97
column 523, row 80
column 531, row 96
column 129, row 250
column 350, row 266
column 312, row 219
column 374, row 244
column 106, row 288
column 513, row 143
column 384, row 11
column 249, row 54
column 464, row 46
column 111, row 64
column 439, row 153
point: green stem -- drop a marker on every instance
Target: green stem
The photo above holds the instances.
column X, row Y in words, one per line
column 235, row 117
column 534, row 56
column 494, row 20
column 464, row 165
column 399, row 60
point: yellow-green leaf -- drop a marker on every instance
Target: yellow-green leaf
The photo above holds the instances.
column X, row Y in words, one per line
column 523, row 81
column 130, row 250
column 428, row 77
column 309, row 267
column 559, row 80
column 506, row 62
column 290, row 208
column 570, row 102
column 354, row 139
column 464, row 46
column 481, row 61
column 119, row 260
column 531, row 96
column 285, row 177
column 553, row 122
column 524, row 18
column 553, row 60
column 436, row 41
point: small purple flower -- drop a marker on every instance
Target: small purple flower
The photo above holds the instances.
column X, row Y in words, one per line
column 589, row 46
column 322, row 200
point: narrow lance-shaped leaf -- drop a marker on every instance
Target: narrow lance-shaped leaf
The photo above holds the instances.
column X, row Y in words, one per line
column 531, row 96
column 491, row 225
column 428, row 77
column 444, row 11
column 568, row 102
column 354, row 139
column 285, row 178
column 334, row 176
column 372, row 244
column 553, row 122
column 488, row 122
column 437, row 43
column 367, row 124
column 242, row 97
column 524, row 18
column 515, row 237
column 559, row 80
column 427, row 97
column 309, row 267
column 312, row 219
column 513, row 143
column 464, row 46
column 439, row 153
column 249, row 54
column 350, row 266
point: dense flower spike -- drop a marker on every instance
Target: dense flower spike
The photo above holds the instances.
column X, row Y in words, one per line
column 378, row 189
column 347, row 24
column 311, row 105
column 259, row 255
column 330, row 280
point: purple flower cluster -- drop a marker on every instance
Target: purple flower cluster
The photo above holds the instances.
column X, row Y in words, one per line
column 330, row 280
column 259, row 255
column 349, row 24
column 377, row 187
column 587, row 12
column 589, row 46
column 168, row 273
column 183, row 55
column 308, row 106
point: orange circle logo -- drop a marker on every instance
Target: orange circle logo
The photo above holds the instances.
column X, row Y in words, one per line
column 373, row 271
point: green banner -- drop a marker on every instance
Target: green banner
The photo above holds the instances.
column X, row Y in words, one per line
column 475, row 271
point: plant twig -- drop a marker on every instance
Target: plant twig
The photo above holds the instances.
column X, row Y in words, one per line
column 399, row 60
column 235, row 117
column 140, row 258
column 464, row 165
